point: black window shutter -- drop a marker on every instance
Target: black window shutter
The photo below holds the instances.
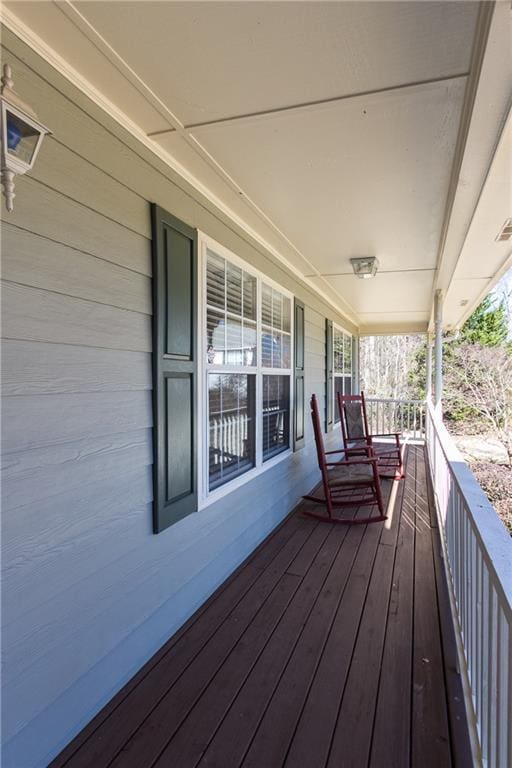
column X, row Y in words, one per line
column 298, row 420
column 174, row 369
column 329, row 397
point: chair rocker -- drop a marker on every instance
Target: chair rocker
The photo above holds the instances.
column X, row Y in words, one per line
column 358, row 441
column 346, row 483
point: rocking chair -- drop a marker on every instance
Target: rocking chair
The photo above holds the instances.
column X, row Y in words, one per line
column 358, row 441
column 346, row 483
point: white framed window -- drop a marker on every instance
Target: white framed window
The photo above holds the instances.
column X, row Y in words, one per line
column 342, row 365
column 245, row 343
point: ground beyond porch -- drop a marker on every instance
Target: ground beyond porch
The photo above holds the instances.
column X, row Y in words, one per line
column 331, row 646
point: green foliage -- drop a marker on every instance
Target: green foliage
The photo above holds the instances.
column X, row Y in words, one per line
column 487, row 325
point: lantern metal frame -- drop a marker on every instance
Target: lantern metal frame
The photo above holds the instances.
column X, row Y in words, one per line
column 11, row 165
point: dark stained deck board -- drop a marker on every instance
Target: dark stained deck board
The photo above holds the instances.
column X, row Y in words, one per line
column 131, row 711
column 233, row 586
column 237, row 730
column 153, row 735
column 311, row 740
column 394, row 696
column 270, row 744
column 429, row 729
column 311, row 654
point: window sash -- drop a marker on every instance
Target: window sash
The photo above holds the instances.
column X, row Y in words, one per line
column 208, row 367
column 342, row 366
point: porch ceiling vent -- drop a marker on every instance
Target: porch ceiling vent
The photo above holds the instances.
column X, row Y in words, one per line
column 365, row 266
column 505, row 232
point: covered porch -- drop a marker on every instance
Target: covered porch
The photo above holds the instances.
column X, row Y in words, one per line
column 329, row 646
column 256, row 153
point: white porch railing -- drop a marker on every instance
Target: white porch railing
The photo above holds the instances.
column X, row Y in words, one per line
column 478, row 555
column 388, row 415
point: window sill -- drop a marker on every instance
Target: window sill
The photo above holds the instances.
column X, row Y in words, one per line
column 238, row 482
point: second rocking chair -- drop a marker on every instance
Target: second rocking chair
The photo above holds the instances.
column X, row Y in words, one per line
column 358, row 441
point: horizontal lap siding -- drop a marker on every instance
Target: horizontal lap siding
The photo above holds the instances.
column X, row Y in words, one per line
column 89, row 592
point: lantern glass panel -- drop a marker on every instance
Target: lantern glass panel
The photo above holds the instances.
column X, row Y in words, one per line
column 22, row 138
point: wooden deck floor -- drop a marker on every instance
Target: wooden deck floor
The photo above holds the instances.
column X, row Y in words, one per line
column 331, row 646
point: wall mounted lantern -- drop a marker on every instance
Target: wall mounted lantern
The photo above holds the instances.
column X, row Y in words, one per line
column 365, row 266
column 21, row 136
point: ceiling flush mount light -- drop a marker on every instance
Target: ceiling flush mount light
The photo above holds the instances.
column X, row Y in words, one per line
column 365, row 267
column 21, row 136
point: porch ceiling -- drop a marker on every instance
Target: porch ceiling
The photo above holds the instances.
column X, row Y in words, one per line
column 327, row 130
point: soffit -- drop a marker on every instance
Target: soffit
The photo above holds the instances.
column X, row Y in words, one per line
column 366, row 174
column 483, row 258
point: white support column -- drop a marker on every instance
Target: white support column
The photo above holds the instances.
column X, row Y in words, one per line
column 428, row 377
column 438, row 322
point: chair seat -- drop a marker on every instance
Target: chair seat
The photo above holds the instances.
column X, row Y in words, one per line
column 385, row 449
column 357, row 474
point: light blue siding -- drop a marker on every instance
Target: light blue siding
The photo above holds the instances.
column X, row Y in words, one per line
column 89, row 593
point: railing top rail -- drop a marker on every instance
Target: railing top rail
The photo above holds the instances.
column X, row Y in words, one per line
column 374, row 399
column 495, row 542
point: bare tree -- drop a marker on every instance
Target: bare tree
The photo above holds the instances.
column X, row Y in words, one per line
column 478, row 381
column 385, row 364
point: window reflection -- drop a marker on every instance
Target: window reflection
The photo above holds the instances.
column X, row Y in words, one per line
column 231, row 406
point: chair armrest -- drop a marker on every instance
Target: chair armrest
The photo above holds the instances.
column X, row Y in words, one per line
column 387, row 434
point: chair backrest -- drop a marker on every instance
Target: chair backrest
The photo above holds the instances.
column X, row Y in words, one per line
column 354, row 424
column 317, row 429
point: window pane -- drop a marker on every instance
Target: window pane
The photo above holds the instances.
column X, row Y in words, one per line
column 266, row 305
column 249, row 343
column 347, row 385
column 338, row 387
column 231, row 305
column 287, row 351
column 275, row 316
column 338, row 351
column 234, row 289
column 347, row 354
column 277, row 310
column 267, row 342
column 249, row 297
column 234, row 352
column 276, row 415
column 287, row 314
column 277, row 350
column 216, row 337
column 231, row 406
column 215, row 281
